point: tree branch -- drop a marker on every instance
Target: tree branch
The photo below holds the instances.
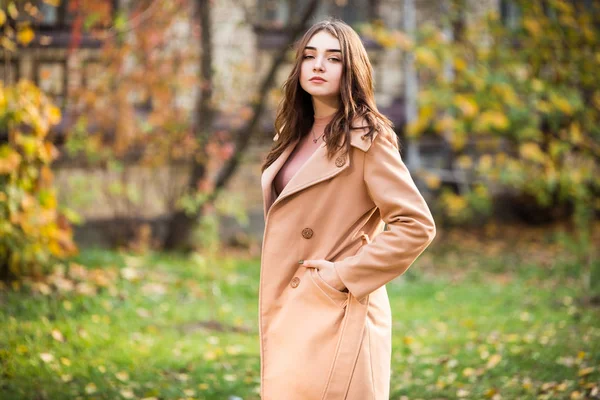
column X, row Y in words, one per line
column 244, row 134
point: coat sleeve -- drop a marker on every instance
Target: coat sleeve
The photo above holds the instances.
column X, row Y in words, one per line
column 410, row 224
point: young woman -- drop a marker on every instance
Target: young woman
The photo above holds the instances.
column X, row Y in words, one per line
column 331, row 182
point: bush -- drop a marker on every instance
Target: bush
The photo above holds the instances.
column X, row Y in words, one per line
column 34, row 234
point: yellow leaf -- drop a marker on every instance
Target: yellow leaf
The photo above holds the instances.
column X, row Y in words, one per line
column 561, row 104
column 57, row 335
column 2, row 17
column 90, row 388
column 494, row 360
column 466, row 105
column 575, row 132
column 123, row 376
column 460, row 64
column 403, row 41
column 585, row 371
column 533, row 26
column 8, row 44
column 25, row 36
column 562, row 387
column 414, row 128
column 444, row 124
column 457, row 139
column 427, row 58
column 485, row 162
column 491, row 120
column 54, row 116
column 454, row 204
column 531, row 151
column 65, row 361
column 12, row 10
column 9, row 162
column 53, row 3
column 127, row 394
column 537, row 85
column 464, row 162
column 432, row 181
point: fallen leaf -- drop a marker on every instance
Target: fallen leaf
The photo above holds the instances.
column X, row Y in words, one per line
column 47, row 357
column 57, row 335
column 493, row 361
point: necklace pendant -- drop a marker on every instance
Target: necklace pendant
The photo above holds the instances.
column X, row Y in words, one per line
column 314, row 140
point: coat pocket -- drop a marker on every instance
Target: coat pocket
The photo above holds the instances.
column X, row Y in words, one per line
column 336, row 296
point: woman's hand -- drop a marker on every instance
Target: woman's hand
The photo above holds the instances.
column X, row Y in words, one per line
column 327, row 271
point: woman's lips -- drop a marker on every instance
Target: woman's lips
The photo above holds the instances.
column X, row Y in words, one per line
column 317, row 80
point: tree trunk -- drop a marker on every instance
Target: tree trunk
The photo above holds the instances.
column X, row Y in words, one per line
column 181, row 225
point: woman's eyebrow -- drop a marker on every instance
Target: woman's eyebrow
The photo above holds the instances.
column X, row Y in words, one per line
column 327, row 51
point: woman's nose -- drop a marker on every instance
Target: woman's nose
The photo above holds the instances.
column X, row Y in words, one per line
column 318, row 66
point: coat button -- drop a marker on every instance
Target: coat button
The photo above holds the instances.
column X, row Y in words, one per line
column 295, row 282
column 340, row 161
column 307, row 233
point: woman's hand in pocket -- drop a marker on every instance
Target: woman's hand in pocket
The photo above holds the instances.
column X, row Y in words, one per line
column 327, row 272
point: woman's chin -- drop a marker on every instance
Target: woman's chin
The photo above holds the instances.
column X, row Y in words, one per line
column 321, row 94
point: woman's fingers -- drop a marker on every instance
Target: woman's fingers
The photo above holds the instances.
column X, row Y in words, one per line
column 315, row 263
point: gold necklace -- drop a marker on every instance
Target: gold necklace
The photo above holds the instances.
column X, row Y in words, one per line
column 313, row 134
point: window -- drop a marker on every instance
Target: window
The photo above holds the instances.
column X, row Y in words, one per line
column 92, row 76
column 277, row 15
column 54, row 17
column 352, row 11
column 51, row 78
column 9, row 72
column 280, row 13
column 63, row 15
column 509, row 13
column 48, row 14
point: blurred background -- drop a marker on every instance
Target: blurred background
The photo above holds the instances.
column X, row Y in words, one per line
column 132, row 135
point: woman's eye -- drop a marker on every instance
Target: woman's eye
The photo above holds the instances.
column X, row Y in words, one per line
column 334, row 59
column 308, row 56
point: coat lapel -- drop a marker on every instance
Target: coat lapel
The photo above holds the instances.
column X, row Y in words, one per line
column 269, row 174
column 316, row 169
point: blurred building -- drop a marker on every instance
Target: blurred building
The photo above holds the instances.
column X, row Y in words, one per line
column 247, row 34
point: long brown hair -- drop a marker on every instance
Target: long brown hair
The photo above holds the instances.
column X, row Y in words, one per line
column 295, row 114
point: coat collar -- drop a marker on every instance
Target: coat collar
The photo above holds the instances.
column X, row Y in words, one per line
column 314, row 170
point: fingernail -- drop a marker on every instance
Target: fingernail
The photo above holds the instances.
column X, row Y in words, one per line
column 301, row 262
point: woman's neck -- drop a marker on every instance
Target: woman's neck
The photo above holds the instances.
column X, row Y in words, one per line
column 324, row 107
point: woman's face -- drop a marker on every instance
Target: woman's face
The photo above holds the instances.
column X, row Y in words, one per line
column 321, row 69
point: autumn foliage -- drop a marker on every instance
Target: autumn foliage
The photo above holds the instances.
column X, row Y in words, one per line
column 520, row 109
column 33, row 231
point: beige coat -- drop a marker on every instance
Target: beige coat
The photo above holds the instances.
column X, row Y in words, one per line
column 317, row 342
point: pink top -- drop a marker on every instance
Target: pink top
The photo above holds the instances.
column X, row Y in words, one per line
column 301, row 153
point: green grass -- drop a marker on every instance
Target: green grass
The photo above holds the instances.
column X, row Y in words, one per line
column 466, row 325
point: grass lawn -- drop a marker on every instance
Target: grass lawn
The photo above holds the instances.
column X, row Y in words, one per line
column 472, row 320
